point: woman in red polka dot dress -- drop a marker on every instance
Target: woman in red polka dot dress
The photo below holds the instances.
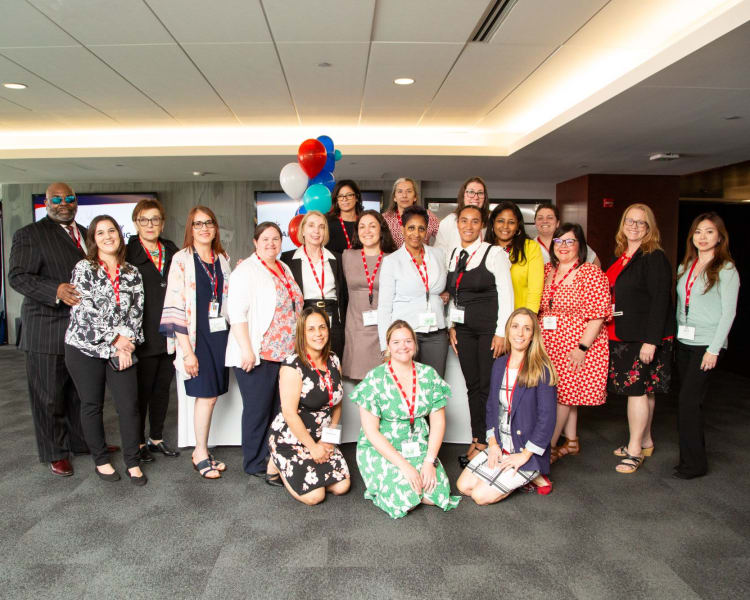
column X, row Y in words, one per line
column 575, row 304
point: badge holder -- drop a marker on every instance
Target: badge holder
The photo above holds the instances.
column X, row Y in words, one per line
column 427, row 319
column 331, row 435
column 685, row 333
column 457, row 314
column 411, row 448
column 215, row 321
column 549, row 322
column 370, row 318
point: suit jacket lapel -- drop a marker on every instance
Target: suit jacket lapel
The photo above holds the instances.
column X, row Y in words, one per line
column 59, row 231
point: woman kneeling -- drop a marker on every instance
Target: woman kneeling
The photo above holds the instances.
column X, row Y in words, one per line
column 521, row 412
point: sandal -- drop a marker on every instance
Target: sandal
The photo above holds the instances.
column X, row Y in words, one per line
column 570, row 446
column 217, row 464
column 622, row 451
column 629, row 464
column 554, row 454
column 204, row 467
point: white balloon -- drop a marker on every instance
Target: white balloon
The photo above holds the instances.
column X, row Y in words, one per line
column 293, row 180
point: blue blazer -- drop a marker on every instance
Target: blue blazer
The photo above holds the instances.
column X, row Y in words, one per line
column 532, row 416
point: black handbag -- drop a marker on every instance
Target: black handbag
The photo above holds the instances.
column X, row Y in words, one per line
column 114, row 361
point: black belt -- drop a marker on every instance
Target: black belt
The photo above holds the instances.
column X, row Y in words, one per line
column 322, row 303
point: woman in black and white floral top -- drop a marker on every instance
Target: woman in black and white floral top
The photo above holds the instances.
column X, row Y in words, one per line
column 104, row 328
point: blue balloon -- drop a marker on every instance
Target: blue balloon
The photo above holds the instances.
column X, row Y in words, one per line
column 301, row 210
column 326, row 178
column 330, row 163
column 337, row 155
column 327, row 143
column 317, row 197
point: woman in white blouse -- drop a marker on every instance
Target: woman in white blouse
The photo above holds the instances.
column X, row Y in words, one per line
column 320, row 275
column 473, row 192
column 263, row 305
column 411, row 281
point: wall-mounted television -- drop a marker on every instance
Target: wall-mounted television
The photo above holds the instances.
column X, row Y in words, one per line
column 118, row 206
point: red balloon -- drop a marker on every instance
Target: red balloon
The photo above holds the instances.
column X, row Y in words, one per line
column 312, row 157
column 293, row 229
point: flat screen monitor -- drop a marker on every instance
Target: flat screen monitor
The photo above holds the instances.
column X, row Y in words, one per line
column 279, row 208
column 118, row 206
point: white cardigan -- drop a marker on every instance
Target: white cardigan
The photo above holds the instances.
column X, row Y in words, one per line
column 252, row 300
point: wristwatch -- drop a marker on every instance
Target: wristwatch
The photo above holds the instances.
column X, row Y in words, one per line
column 583, row 347
column 434, row 462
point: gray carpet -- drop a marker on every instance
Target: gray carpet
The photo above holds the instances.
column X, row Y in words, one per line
column 599, row 535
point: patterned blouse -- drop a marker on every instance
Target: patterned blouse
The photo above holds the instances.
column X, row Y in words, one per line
column 97, row 320
column 397, row 232
column 278, row 341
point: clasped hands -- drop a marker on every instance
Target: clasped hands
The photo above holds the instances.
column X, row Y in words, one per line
column 422, row 481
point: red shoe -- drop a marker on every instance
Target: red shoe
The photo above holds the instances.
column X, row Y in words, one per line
column 545, row 489
column 61, row 467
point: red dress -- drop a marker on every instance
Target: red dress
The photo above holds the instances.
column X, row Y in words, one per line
column 574, row 305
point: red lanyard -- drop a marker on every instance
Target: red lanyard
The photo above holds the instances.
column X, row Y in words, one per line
column 461, row 274
column 425, row 278
column 509, row 399
column 115, row 282
column 398, row 216
column 326, row 380
column 211, row 274
column 283, row 279
column 413, row 406
column 371, row 280
column 538, row 239
column 322, row 281
column 346, row 235
column 689, row 286
column 151, row 256
column 554, row 286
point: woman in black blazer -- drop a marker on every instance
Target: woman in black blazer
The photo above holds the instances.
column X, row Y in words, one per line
column 641, row 332
column 152, row 255
column 320, row 275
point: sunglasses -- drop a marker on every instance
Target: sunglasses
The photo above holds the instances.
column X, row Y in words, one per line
column 58, row 199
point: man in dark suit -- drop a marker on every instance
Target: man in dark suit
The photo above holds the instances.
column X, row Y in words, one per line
column 42, row 258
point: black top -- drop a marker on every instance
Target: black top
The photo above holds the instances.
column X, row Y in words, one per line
column 643, row 292
column 477, row 294
column 154, row 288
column 336, row 237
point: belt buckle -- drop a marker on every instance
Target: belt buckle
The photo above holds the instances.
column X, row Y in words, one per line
column 320, row 304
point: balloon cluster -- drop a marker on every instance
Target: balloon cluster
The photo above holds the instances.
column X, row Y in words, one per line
column 310, row 180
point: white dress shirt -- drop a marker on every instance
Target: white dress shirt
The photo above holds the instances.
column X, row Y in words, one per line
column 498, row 264
column 402, row 291
column 448, row 236
column 310, row 287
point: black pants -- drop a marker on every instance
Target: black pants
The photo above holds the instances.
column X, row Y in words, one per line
column 260, row 404
column 90, row 376
column 693, row 391
column 55, row 407
column 155, row 374
column 475, row 358
column 433, row 349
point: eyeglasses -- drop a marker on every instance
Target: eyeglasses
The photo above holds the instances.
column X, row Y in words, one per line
column 155, row 221
column 349, row 196
column 58, row 199
column 564, row 242
column 473, row 194
column 632, row 222
column 209, row 224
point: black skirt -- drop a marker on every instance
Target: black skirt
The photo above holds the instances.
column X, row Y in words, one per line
column 629, row 376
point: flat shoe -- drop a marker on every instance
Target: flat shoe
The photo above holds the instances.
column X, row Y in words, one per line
column 144, row 455
column 107, row 476
column 464, row 461
column 139, row 481
column 163, row 448
column 274, row 479
column 681, row 475
column 260, row 474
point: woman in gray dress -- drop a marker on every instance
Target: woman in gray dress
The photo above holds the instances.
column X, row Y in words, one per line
column 361, row 264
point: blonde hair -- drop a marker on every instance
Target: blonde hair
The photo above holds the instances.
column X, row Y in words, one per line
column 305, row 219
column 536, row 362
column 395, row 326
column 652, row 239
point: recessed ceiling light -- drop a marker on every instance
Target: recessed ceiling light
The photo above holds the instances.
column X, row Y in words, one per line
column 198, row 173
column 15, row 86
column 732, row 117
column 403, row 81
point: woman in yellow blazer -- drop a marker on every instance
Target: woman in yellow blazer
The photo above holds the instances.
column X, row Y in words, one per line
column 505, row 228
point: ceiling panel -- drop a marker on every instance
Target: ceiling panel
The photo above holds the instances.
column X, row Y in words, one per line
column 166, row 75
column 427, row 64
column 225, row 21
column 110, row 22
column 427, row 20
column 543, row 21
column 77, row 71
column 332, row 93
column 249, row 78
column 320, row 21
column 10, row 107
column 23, row 25
column 483, row 75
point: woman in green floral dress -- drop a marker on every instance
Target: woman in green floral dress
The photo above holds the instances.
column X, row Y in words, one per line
column 397, row 450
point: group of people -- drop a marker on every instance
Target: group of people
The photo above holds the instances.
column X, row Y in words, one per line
column 538, row 328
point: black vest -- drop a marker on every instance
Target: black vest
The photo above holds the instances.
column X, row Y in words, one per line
column 477, row 295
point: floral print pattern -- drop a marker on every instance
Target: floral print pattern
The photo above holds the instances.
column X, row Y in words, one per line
column 629, row 376
column 278, row 341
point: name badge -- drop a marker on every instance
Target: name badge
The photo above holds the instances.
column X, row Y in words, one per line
column 213, row 309
column 616, row 313
column 410, row 450
column 549, row 322
column 686, row 333
column 457, row 314
column 331, row 435
column 427, row 319
column 369, row 318
column 217, row 324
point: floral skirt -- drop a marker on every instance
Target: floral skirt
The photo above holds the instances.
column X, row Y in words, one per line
column 629, row 376
column 294, row 460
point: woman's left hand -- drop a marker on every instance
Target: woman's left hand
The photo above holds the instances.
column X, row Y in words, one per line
column 647, row 353
column 497, row 346
column 513, row 461
column 709, row 361
column 429, row 477
column 576, row 358
column 126, row 360
column 329, row 447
